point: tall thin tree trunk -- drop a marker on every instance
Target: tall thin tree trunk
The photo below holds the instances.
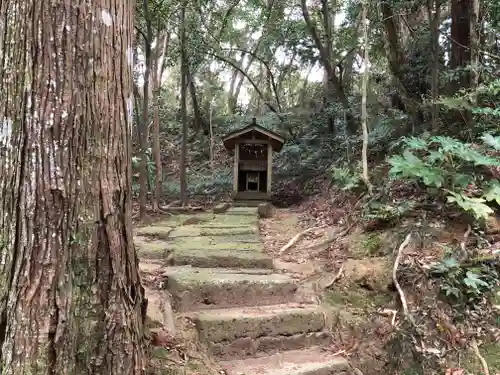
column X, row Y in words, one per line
column 475, row 28
column 156, row 136
column 71, row 301
column 364, row 113
column 144, row 127
column 184, row 77
column 434, row 22
column 211, row 136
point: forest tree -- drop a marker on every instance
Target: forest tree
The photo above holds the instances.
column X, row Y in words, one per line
column 71, row 297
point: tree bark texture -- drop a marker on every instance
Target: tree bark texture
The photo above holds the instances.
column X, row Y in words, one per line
column 71, row 300
column 460, row 34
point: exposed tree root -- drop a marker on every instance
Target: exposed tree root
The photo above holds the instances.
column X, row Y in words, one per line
column 335, row 236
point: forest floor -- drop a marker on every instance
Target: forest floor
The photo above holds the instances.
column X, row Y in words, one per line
column 350, row 270
column 354, row 273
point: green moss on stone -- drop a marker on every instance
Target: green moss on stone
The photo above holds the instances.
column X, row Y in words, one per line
column 358, row 298
column 196, row 231
column 222, row 258
column 228, row 326
column 151, row 249
column 158, row 231
column 215, row 243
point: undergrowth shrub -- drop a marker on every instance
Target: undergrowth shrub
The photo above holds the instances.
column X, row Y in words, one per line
column 452, row 169
column 212, row 185
column 466, row 282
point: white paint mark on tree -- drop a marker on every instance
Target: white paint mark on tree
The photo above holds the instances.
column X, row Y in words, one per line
column 5, row 130
column 106, row 17
column 130, row 56
column 130, row 109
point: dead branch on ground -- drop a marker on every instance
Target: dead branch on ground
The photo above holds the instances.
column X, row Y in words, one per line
column 395, row 277
column 389, row 313
column 464, row 241
column 335, row 278
column 334, row 237
column 296, row 239
column 484, row 364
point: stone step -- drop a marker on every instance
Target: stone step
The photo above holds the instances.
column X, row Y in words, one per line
column 204, row 254
column 243, row 210
column 247, row 203
column 204, row 288
column 243, row 243
column 209, row 258
column 312, row 361
column 148, row 248
column 212, row 231
column 250, row 331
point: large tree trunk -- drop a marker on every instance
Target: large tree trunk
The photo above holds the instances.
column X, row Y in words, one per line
column 71, row 301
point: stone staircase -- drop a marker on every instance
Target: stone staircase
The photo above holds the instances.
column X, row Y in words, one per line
column 249, row 316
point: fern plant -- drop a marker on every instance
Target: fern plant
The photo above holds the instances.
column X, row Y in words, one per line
column 347, row 178
column 453, row 167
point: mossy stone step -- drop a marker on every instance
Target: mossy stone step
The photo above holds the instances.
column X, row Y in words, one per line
column 313, row 361
column 247, row 203
column 204, row 288
column 248, row 211
column 158, row 231
column 205, row 254
column 197, row 231
column 246, row 332
column 148, row 248
column 236, row 243
column 214, row 257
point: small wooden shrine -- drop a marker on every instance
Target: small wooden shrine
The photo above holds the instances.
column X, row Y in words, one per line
column 253, row 148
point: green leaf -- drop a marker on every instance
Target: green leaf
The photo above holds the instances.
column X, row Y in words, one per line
column 412, row 159
column 432, row 177
column 415, row 143
column 491, row 141
column 492, row 193
column 472, row 280
column 435, row 156
column 474, row 205
column 461, row 180
column 450, row 262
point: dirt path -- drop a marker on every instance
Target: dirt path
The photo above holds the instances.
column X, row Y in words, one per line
column 231, row 300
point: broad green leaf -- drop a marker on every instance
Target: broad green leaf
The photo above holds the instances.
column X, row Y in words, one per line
column 475, row 205
column 491, row 141
column 415, row 143
column 492, row 193
column 472, row 280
